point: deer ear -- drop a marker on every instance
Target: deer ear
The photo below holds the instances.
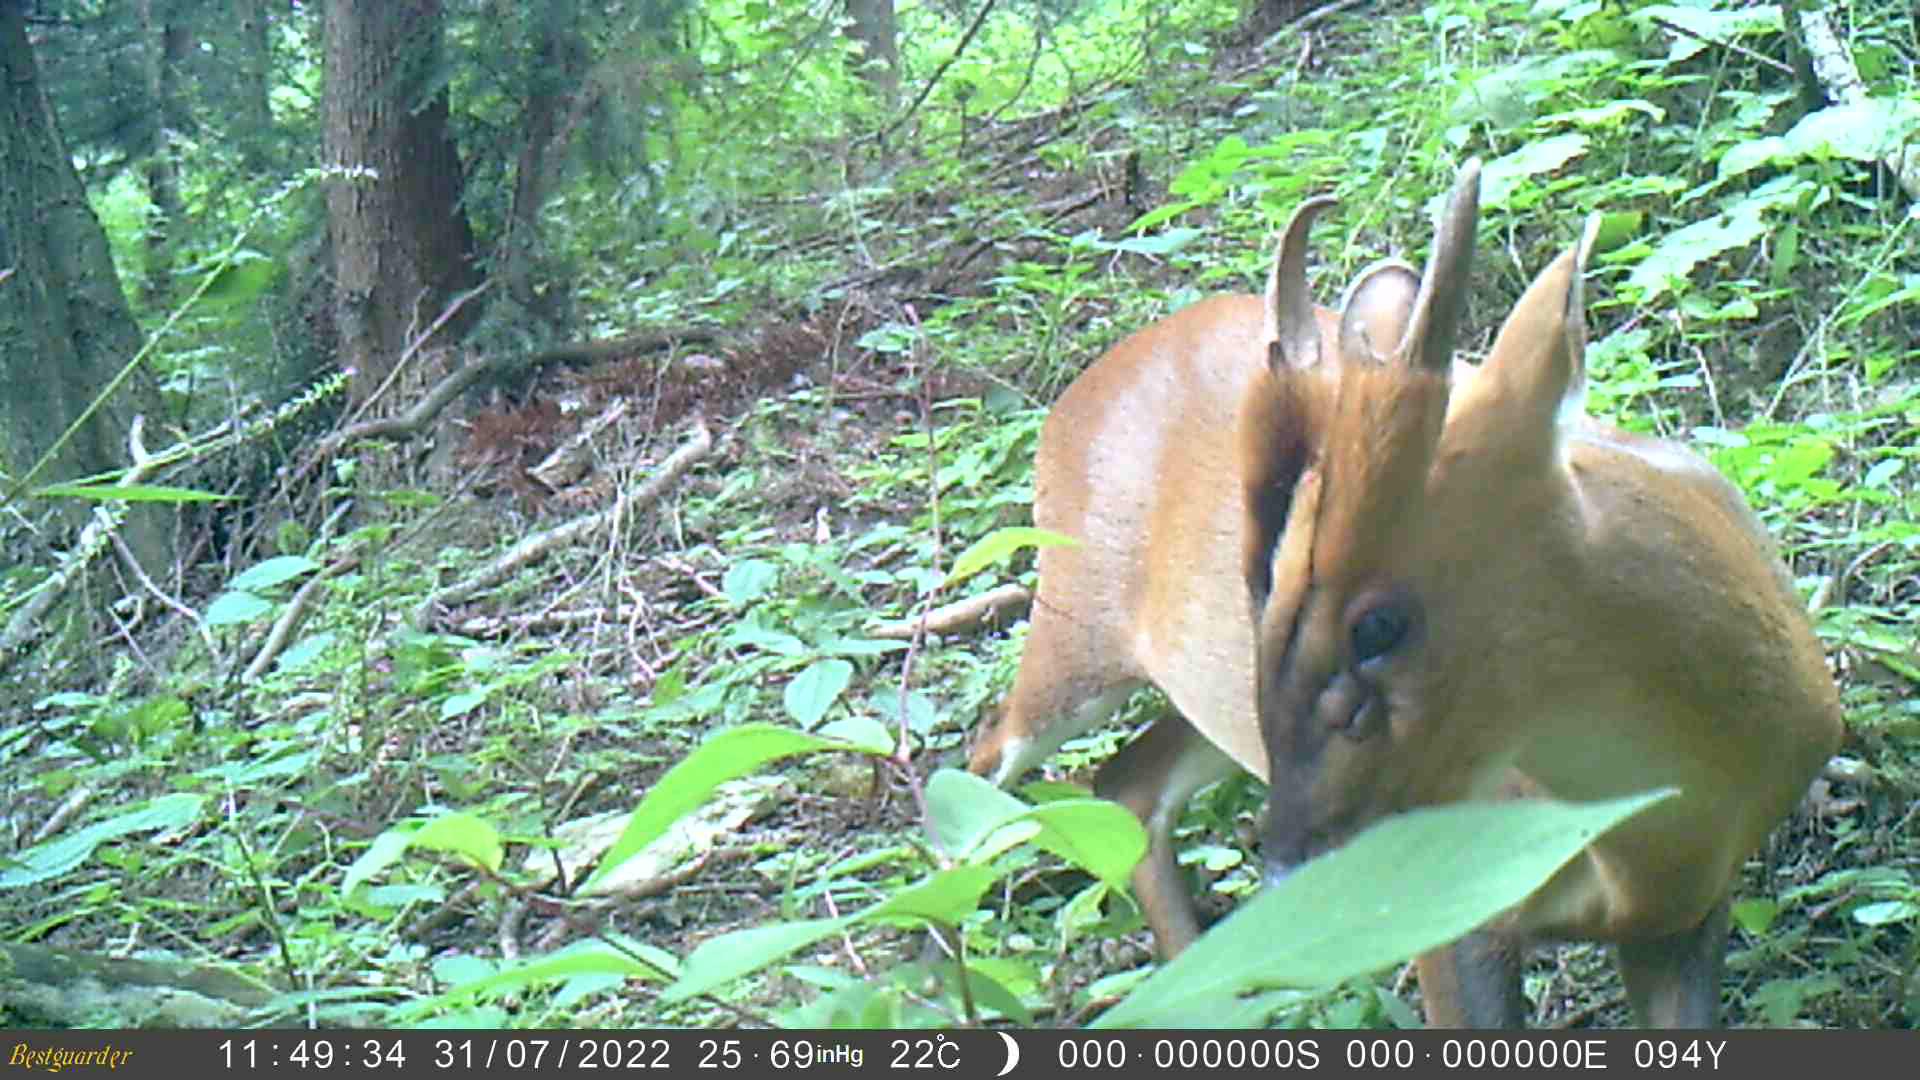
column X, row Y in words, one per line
column 1538, row 360
column 1290, row 324
column 1376, row 311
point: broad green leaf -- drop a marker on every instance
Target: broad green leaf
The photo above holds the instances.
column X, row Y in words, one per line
column 812, row 692
column 1403, row 886
column 727, row 754
column 1164, row 244
column 973, row 820
column 1675, row 256
column 862, row 733
column 1101, row 837
column 752, row 631
column 583, row 958
column 1702, row 27
column 385, row 850
column 272, row 572
column 749, row 580
column 463, row 834
column 845, row 646
column 304, row 652
column 1882, row 912
column 1864, row 130
column 1616, row 229
column 1502, row 175
column 998, row 546
column 1751, row 154
column 964, row 809
column 55, row 857
column 945, row 896
column 1161, row 214
column 236, row 609
column 129, row 493
column 462, row 703
column 1755, row 913
column 725, row 958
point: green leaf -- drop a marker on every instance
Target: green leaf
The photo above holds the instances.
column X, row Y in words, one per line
column 463, row 834
column 272, row 572
column 998, row 546
column 726, row 755
column 1408, row 884
column 1616, row 229
column 945, row 896
column 1161, row 214
column 964, row 809
column 1751, row 154
column 973, row 820
column 129, row 493
column 236, row 608
column 1884, row 912
column 1502, row 175
column 1675, row 256
column 1864, row 130
column 749, row 580
column 1164, row 244
column 1755, row 914
column 1101, row 837
column 1701, row 27
column 55, row 857
column 385, row 850
column 462, row 703
column 722, row 959
column 584, row 958
column 814, row 690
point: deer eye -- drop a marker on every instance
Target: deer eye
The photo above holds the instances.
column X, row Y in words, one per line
column 1377, row 631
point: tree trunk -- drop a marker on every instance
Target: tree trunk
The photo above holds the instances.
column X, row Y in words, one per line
column 65, row 329
column 166, row 48
column 557, row 97
column 256, row 70
column 873, row 29
column 401, row 243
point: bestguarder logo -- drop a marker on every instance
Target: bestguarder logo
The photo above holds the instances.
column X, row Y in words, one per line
column 55, row 1059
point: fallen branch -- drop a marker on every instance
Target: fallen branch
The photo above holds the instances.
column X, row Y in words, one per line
column 102, row 526
column 296, row 613
column 535, row 548
column 61, row 987
column 1004, row 602
column 417, row 420
column 571, row 460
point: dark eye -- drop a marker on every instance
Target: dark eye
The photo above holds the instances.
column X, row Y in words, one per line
column 1377, row 631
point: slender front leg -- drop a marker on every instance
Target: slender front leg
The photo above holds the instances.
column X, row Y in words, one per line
column 1474, row 983
column 1155, row 776
column 1674, row 981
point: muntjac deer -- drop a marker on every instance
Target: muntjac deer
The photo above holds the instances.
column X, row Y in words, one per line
column 1139, row 462
column 1466, row 588
column 1460, row 587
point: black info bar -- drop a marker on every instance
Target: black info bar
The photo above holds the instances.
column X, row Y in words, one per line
column 974, row 1054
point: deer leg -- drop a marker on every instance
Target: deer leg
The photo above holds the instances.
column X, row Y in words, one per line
column 1474, row 983
column 1674, row 981
column 1155, row 776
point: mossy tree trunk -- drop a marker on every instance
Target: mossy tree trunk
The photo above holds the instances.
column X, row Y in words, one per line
column 402, row 246
column 65, row 328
